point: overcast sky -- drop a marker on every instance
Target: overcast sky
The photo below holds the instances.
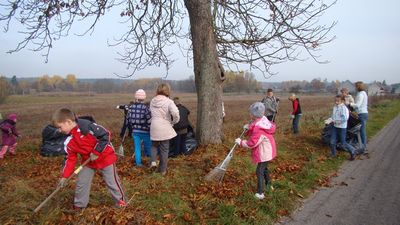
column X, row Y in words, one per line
column 367, row 48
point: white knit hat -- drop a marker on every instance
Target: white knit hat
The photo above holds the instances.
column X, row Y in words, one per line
column 140, row 94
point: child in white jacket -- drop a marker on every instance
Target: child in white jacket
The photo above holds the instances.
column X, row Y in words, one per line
column 340, row 115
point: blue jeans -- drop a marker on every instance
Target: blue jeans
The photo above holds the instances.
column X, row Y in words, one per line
column 295, row 123
column 363, row 117
column 137, row 139
column 341, row 132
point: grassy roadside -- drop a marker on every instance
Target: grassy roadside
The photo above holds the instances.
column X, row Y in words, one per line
column 318, row 170
column 182, row 197
column 381, row 114
column 302, row 166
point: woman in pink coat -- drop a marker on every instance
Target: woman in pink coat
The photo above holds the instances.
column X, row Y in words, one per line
column 262, row 144
column 164, row 114
column 9, row 135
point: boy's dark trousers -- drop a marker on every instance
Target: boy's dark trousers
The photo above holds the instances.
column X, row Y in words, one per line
column 123, row 130
column 179, row 143
column 262, row 176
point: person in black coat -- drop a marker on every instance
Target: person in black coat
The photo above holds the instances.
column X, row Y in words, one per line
column 181, row 129
column 125, row 124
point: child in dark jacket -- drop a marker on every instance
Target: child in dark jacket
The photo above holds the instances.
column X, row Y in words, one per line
column 262, row 144
column 125, row 125
column 139, row 119
column 9, row 135
column 89, row 140
column 181, row 129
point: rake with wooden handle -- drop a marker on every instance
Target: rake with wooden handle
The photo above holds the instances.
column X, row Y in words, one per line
column 59, row 187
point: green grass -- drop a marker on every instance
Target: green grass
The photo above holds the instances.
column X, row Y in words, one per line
column 381, row 114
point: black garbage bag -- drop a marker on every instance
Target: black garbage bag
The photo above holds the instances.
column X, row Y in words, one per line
column 353, row 136
column 326, row 134
column 190, row 143
column 52, row 142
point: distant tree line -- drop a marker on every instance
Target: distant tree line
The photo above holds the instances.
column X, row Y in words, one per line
column 238, row 82
column 235, row 82
column 316, row 85
column 5, row 88
column 242, row 81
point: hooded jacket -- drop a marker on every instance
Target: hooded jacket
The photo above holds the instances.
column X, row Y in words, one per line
column 183, row 118
column 261, row 141
column 340, row 116
column 9, row 130
column 85, row 138
column 164, row 114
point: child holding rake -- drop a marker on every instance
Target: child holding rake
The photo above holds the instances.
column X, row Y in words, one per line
column 262, row 144
column 90, row 141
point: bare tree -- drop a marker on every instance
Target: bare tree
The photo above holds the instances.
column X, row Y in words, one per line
column 259, row 33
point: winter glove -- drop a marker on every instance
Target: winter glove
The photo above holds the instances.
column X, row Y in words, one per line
column 62, row 182
column 291, row 116
column 93, row 157
column 238, row 141
column 245, row 127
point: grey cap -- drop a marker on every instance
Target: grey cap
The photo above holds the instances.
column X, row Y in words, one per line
column 257, row 109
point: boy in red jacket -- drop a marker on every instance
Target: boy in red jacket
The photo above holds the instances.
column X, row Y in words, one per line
column 89, row 140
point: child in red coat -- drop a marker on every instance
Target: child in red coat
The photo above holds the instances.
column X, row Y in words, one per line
column 89, row 140
column 9, row 135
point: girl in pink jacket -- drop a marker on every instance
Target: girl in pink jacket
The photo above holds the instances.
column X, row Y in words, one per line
column 9, row 135
column 262, row 144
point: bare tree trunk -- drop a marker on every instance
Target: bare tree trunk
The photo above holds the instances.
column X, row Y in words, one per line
column 208, row 72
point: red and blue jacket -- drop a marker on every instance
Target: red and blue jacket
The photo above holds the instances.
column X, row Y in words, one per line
column 85, row 138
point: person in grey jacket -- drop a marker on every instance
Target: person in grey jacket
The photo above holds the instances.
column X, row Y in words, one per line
column 271, row 105
column 164, row 114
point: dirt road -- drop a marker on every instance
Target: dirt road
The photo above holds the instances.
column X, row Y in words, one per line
column 367, row 191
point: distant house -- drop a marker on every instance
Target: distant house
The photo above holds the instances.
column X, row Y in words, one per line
column 349, row 85
column 375, row 89
column 397, row 90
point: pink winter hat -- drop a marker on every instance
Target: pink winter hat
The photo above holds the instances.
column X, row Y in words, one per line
column 12, row 117
column 140, row 94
